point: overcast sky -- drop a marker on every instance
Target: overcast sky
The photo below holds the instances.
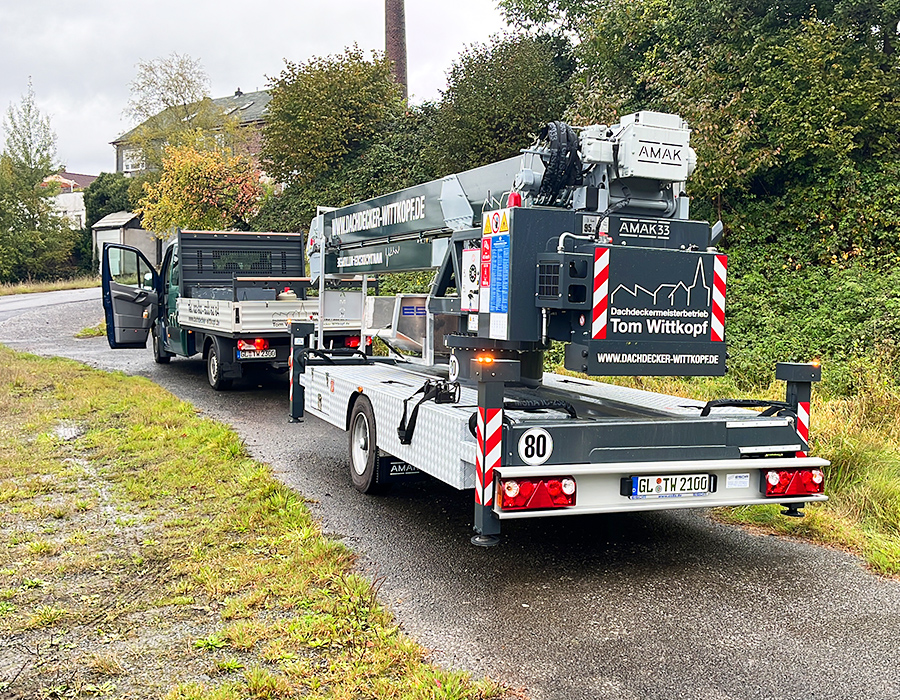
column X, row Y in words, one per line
column 81, row 56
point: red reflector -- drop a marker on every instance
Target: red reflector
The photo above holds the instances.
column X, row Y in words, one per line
column 533, row 494
column 794, row 482
column 351, row 341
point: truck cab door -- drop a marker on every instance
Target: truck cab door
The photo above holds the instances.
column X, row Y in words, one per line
column 130, row 297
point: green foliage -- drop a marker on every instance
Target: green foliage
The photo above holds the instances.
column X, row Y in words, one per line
column 30, row 147
column 106, row 195
column 392, row 161
column 325, row 112
column 35, row 242
column 498, row 96
column 201, row 190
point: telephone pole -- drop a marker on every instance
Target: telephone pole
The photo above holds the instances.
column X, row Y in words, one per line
column 395, row 41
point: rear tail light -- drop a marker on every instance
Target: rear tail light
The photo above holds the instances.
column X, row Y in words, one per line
column 255, row 344
column 538, row 492
column 352, row 341
column 793, row 482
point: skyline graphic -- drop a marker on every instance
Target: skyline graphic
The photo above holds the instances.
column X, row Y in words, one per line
column 669, row 290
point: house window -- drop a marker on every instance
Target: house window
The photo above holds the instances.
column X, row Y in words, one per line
column 132, row 160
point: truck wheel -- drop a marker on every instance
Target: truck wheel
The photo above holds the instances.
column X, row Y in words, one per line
column 214, row 369
column 363, row 450
column 160, row 356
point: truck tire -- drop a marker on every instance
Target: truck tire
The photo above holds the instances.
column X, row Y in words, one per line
column 214, row 368
column 363, row 450
column 160, row 356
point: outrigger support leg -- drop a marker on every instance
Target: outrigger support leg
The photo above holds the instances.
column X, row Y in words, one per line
column 491, row 375
column 300, row 332
column 799, row 378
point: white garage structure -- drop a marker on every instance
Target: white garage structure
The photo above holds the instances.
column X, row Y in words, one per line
column 124, row 227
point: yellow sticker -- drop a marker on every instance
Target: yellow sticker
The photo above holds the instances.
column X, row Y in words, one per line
column 486, row 230
column 504, row 224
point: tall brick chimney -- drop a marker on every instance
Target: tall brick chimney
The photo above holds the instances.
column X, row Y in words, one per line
column 395, row 41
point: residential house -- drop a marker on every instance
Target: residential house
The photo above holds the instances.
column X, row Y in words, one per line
column 248, row 108
column 70, row 200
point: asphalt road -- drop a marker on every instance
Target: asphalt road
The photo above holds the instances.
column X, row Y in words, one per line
column 660, row 606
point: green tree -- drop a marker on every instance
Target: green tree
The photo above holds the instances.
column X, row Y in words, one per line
column 35, row 242
column 498, row 96
column 201, row 190
column 397, row 158
column 107, row 194
column 170, row 103
column 325, row 112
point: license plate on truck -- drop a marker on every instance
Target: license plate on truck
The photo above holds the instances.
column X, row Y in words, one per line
column 669, row 485
column 256, row 354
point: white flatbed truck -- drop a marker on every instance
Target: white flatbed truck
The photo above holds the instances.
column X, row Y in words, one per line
column 226, row 295
column 585, row 240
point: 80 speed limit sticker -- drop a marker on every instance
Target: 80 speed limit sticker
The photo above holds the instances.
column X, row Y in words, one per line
column 535, row 446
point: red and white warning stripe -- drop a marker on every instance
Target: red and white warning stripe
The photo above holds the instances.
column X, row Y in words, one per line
column 803, row 425
column 601, row 293
column 489, row 435
column 291, row 367
column 720, row 276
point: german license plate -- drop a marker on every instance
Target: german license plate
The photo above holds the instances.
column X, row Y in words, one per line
column 256, row 354
column 669, row 486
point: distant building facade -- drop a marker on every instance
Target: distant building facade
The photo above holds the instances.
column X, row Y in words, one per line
column 69, row 202
column 247, row 108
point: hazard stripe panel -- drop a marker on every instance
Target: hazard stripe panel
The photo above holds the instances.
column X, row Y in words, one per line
column 720, row 276
column 803, row 425
column 601, row 293
column 489, row 434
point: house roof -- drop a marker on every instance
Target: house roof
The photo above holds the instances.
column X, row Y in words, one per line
column 247, row 107
column 71, row 181
column 119, row 219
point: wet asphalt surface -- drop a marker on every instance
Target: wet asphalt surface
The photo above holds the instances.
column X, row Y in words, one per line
column 662, row 606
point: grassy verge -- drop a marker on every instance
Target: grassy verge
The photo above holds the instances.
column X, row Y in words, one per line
column 143, row 553
column 31, row 287
column 859, row 433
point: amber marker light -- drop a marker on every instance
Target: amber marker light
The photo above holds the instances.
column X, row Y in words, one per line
column 484, row 359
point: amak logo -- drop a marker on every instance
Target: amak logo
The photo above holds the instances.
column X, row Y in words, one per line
column 660, row 153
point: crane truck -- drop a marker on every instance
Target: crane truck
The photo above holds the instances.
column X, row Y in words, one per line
column 585, row 239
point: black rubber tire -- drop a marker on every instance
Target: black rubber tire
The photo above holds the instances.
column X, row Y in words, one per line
column 160, row 356
column 363, row 447
column 214, row 369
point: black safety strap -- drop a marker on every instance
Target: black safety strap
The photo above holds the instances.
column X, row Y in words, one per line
column 439, row 391
column 773, row 407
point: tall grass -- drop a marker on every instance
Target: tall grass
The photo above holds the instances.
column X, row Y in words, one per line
column 29, row 287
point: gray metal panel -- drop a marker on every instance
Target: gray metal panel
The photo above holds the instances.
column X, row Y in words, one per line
column 661, row 403
column 442, row 445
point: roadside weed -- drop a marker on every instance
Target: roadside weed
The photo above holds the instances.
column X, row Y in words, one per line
column 46, row 615
column 106, row 665
column 228, row 666
column 210, row 643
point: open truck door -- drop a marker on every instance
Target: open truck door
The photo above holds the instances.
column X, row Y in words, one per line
column 130, row 295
